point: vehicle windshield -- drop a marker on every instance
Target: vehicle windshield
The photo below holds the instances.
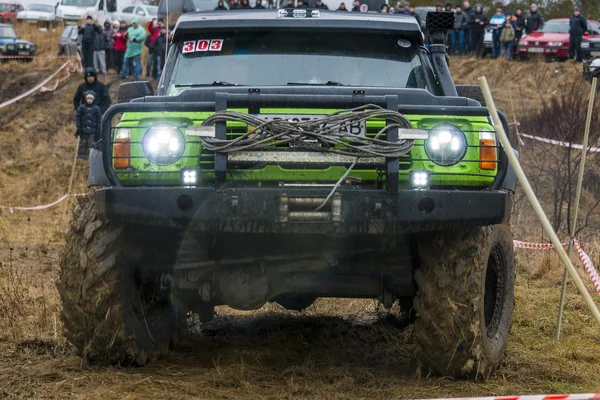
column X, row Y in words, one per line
column 41, row 7
column 152, row 10
column 7, row 32
column 286, row 58
column 79, row 3
column 555, row 27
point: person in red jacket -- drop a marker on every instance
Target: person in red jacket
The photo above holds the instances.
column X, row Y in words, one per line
column 120, row 46
column 152, row 63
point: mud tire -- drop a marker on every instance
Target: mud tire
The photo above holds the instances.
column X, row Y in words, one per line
column 463, row 321
column 105, row 308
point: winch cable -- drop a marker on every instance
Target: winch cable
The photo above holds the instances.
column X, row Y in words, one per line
column 327, row 131
column 343, row 177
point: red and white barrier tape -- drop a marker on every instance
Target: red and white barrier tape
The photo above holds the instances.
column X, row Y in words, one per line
column 588, row 265
column 35, row 88
column 40, row 86
column 559, row 143
column 69, row 70
column 29, row 57
column 12, row 209
column 583, row 256
column 535, row 246
column 587, row 396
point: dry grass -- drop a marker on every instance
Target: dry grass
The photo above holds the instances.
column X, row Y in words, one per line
column 337, row 349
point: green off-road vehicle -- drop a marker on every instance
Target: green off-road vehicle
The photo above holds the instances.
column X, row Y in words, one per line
column 289, row 155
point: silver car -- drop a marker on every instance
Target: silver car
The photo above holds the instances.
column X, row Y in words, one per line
column 70, row 41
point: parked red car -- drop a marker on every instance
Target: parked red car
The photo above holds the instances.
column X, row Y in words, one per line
column 8, row 11
column 553, row 39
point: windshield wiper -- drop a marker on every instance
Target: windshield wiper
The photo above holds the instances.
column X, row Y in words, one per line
column 215, row 83
column 328, row 83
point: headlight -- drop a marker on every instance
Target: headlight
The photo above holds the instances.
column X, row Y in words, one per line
column 522, row 42
column 555, row 44
column 163, row 144
column 10, row 46
column 585, row 45
column 446, row 145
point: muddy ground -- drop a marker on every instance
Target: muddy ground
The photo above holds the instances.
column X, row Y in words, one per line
column 336, row 349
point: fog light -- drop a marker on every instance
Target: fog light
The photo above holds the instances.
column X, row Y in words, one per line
column 420, row 179
column 189, row 177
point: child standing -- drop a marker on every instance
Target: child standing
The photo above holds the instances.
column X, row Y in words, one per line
column 88, row 124
column 507, row 38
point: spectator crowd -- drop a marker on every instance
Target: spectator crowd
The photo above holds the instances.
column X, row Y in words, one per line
column 470, row 24
column 118, row 46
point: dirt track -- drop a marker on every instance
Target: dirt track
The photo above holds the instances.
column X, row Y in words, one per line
column 336, row 349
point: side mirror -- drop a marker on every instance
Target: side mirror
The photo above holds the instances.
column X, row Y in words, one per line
column 134, row 90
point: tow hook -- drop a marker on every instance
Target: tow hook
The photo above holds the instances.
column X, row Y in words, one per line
column 300, row 209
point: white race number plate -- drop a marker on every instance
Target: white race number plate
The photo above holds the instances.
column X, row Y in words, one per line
column 356, row 128
column 535, row 50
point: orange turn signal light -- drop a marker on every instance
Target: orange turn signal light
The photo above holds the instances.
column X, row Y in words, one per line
column 122, row 153
column 487, row 154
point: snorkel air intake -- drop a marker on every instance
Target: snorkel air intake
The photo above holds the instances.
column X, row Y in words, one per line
column 438, row 25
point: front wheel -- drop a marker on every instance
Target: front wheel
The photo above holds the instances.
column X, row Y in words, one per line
column 116, row 308
column 465, row 300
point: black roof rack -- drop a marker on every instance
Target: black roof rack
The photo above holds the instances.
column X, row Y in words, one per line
column 227, row 21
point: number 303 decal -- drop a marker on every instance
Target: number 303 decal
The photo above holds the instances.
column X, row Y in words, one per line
column 202, row 45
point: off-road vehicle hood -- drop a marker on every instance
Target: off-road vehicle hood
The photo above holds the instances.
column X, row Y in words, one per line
column 546, row 37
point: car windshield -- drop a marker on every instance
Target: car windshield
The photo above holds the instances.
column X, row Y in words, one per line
column 7, row 32
column 79, row 3
column 152, row 10
column 286, row 58
column 555, row 27
column 41, row 7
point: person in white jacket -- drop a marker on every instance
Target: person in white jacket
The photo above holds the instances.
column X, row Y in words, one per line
column 496, row 25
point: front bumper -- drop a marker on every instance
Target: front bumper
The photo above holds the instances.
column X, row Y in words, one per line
column 557, row 52
column 266, row 210
column 26, row 53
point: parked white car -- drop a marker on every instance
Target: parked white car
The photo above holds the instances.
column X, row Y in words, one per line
column 144, row 12
column 37, row 13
